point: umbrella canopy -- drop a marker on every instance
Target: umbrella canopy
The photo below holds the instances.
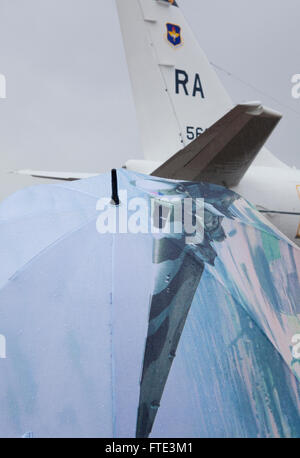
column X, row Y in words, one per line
column 115, row 331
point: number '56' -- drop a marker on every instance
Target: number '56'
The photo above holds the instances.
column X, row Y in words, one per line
column 193, row 132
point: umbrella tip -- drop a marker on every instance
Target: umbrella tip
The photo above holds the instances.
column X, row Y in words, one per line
column 114, row 186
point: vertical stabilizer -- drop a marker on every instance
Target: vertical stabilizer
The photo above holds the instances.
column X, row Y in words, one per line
column 177, row 93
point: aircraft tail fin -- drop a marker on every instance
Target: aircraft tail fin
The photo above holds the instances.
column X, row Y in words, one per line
column 177, row 92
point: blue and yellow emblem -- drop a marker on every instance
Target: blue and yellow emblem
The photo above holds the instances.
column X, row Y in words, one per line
column 174, row 34
column 173, row 2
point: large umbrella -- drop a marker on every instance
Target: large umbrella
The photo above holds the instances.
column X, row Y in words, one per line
column 141, row 330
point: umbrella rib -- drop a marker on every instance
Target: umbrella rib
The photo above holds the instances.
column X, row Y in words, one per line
column 44, row 250
column 33, row 215
column 253, row 319
column 268, row 232
column 2, row 221
column 75, row 190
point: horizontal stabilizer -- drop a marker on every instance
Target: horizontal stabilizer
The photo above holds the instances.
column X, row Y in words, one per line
column 62, row 176
column 225, row 151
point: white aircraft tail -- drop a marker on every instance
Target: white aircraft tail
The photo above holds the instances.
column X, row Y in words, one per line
column 177, row 92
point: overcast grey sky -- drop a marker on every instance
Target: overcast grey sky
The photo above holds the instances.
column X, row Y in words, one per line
column 69, row 104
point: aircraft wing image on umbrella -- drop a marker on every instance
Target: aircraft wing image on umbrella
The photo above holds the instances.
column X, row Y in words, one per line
column 137, row 334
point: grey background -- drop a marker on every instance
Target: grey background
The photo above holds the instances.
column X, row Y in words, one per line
column 69, row 105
